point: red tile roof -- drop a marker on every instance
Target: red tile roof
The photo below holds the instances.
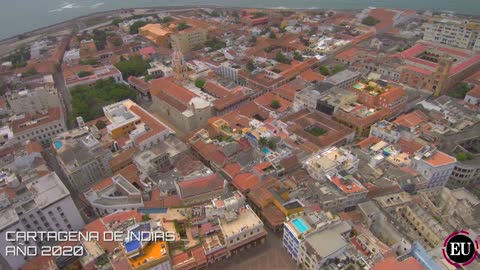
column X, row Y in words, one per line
column 245, row 181
column 391, row 263
column 348, row 55
column 366, row 143
column 215, row 89
column 147, row 51
column 475, row 92
column 39, row 119
column 169, row 88
column 440, row 159
column 32, row 146
column 260, row 167
column 266, row 100
column 153, row 123
column 351, row 187
column 233, row 169
column 198, row 186
column 411, row 119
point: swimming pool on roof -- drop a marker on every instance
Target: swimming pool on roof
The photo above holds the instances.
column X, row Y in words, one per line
column 300, row 225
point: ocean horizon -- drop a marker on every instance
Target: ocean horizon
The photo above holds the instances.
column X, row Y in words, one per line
column 26, row 15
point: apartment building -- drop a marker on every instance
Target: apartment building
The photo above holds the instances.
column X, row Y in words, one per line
column 242, row 229
column 189, row 39
column 41, row 126
column 324, row 245
column 82, row 158
column 43, row 204
column 434, row 165
column 461, row 34
column 298, row 226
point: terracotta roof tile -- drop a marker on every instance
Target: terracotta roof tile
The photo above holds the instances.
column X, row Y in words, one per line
column 391, row 263
column 245, row 181
column 168, row 87
column 201, row 185
column 440, row 159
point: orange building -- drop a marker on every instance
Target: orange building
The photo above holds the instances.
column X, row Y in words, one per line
column 156, row 33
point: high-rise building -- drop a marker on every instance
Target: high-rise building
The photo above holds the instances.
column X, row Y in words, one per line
column 82, row 158
column 461, row 34
column 43, row 204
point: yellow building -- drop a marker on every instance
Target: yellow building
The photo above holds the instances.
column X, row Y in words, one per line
column 189, row 39
column 156, row 33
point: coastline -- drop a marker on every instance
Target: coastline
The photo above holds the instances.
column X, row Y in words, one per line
column 69, row 22
column 72, row 23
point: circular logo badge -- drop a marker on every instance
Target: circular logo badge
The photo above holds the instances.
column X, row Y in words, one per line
column 459, row 249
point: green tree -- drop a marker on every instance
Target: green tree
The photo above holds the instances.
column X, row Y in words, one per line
column 88, row 102
column 166, row 19
column 145, row 218
column 199, row 83
column 89, row 62
column 272, row 144
column 370, row 21
column 297, row 56
column 464, row 156
column 135, row 66
column 31, row 71
column 19, row 57
column 337, row 68
column 272, row 35
column 275, row 104
column 253, row 40
column 259, row 14
column 215, row 44
column 117, row 42
column 84, row 73
column 262, row 142
column 100, row 39
column 100, row 124
column 117, row 21
column 280, row 57
column 324, row 70
column 182, row 26
column 250, row 66
column 135, row 26
column 461, row 90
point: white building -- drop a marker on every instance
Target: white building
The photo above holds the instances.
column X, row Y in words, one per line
column 82, row 158
column 104, row 72
column 321, row 246
column 241, row 228
column 44, row 204
column 297, row 227
column 387, row 131
column 131, row 125
column 461, row 34
column 434, row 165
column 330, row 162
column 71, row 55
column 114, row 194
